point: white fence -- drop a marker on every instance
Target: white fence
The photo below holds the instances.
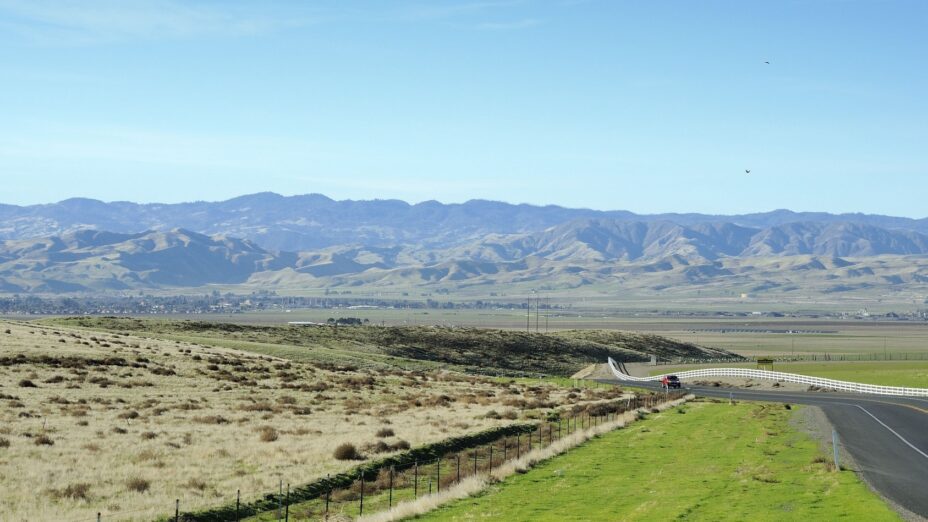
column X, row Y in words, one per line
column 853, row 387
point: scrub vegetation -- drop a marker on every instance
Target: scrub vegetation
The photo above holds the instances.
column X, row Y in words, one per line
column 124, row 424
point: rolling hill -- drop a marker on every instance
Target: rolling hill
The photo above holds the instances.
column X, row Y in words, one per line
column 642, row 257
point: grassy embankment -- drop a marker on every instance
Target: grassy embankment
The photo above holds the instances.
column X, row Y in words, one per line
column 716, row 462
column 886, row 373
column 500, row 352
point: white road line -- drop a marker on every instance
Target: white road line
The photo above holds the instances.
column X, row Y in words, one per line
column 909, row 444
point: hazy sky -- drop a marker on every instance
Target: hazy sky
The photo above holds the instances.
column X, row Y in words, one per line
column 642, row 105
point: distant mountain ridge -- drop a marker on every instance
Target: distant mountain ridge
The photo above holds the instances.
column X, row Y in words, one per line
column 313, row 221
column 649, row 256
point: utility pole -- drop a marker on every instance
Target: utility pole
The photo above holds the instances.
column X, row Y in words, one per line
column 547, row 311
column 528, row 314
column 537, row 306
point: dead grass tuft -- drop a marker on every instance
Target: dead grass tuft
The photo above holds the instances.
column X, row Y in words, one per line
column 268, row 434
column 138, row 484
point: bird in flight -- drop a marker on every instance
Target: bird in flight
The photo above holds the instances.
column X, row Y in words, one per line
column 768, row 63
column 747, row 171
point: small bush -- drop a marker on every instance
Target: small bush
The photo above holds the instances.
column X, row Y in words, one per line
column 385, row 432
column 26, row 383
column 347, row 451
column 138, row 484
column 268, row 434
column 44, row 440
column 400, row 445
column 197, row 484
column 79, row 491
column 4, row 443
column 120, row 431
column 149, row 435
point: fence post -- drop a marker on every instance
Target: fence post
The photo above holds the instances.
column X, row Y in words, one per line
column 438, row 474
column 238, row 503
column 280, row 499
column 391, row 487
column 98, row 517
column 177, row 510
column 459, row 466
column 328, row 494
column 361, row 506
column 834, row 443
column 287, row 504
column 491, row 457
column 518, row 445
column 475, row 461
column 415, row 488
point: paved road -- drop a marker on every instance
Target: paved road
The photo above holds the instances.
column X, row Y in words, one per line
column 886, row 436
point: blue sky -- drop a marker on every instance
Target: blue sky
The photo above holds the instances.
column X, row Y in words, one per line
column 647, row 106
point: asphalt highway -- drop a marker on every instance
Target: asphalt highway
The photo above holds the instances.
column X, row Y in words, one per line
column 886, row 436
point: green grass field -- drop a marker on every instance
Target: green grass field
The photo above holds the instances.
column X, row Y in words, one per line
column 886, row 373
column 716, row 462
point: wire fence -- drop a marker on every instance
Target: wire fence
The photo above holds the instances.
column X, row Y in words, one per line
column 378, row 489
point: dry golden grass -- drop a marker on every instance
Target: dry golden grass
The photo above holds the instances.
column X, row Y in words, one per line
column 100, row 422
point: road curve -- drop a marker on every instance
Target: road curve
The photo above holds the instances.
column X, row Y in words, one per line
column 886, row 436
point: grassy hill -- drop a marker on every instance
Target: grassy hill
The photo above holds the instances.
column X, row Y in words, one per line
column 487, row 351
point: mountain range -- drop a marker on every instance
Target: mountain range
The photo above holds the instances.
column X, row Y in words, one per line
column 270, row 241
column 314, row 221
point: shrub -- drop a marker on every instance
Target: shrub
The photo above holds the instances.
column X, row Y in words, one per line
column 197, row 484
column 268, row 434
column 138, row 484
column 148, row 435
column 400, row 445
column 79, row 491
column 44, row 440
column 4, row 443
column 26, row 383
column 385, row 432
column 347, row 451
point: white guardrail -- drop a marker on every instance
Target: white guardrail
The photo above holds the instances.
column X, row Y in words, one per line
column 853, row 387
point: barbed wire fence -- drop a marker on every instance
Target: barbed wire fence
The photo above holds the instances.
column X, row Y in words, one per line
column 382, row 488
